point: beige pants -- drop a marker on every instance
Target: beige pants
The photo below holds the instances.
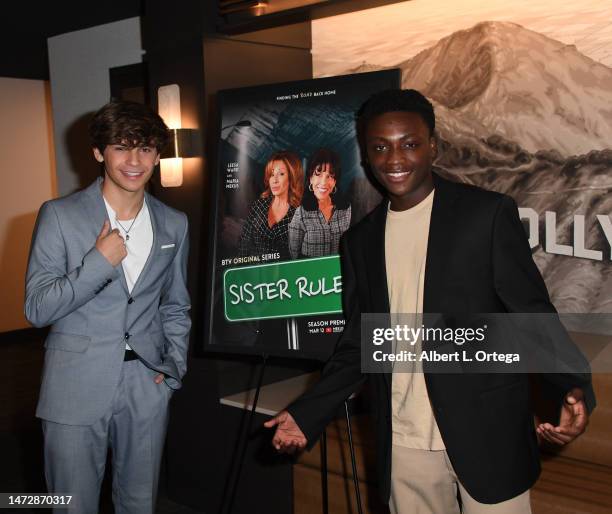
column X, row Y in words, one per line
column 424, row 482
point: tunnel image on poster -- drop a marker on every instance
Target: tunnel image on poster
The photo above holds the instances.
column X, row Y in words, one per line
column 289, row 182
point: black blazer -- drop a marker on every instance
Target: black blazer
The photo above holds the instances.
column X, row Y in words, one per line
column 478, row 260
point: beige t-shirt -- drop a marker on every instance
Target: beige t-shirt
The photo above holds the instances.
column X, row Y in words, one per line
column 406, row 234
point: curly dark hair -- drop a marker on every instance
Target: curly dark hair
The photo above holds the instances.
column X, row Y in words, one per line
column 129, row 123
column 321, row 157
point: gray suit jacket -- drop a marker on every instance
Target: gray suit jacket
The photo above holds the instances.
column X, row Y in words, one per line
column 71, row 286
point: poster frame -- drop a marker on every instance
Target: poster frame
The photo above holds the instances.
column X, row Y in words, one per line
column 390, row 79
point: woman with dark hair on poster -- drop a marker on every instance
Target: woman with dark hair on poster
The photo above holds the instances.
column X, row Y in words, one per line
column 324, row 215
column 265, row 229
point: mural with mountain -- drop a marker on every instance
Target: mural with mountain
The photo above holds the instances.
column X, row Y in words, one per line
column 526, row 115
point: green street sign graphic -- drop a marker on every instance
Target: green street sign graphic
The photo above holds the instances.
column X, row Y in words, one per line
column 304, row 287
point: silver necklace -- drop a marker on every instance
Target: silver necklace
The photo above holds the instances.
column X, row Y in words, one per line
column 127, row 232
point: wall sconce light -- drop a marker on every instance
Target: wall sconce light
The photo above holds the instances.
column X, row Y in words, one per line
column 169, row 108
column 183, row 143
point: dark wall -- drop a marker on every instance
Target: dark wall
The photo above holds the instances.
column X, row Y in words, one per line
column 25, row 27
column 182, row 47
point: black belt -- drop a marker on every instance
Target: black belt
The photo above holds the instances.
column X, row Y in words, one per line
column 130, row 355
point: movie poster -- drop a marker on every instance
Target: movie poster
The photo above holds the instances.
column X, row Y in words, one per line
column 289, row 183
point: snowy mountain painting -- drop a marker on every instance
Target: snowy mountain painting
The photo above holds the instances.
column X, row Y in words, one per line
column 522, row 113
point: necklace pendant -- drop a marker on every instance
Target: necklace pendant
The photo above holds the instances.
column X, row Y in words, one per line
column 127, row 237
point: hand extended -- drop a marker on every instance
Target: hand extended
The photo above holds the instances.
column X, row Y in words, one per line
column 110, row 244
column 288, row 437
column 572, row 422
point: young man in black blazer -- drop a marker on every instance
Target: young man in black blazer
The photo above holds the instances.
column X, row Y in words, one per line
column 434, row 246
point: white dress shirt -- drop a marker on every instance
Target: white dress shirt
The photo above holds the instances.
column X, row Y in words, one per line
column 138, row 246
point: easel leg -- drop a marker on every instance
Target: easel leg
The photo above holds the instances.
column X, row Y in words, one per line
column 324, row 491
column 353, row 460
column 243, row 442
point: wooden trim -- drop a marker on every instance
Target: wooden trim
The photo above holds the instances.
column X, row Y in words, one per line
column 285, row 12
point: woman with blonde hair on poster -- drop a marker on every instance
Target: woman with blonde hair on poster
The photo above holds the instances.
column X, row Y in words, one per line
column 265, row 229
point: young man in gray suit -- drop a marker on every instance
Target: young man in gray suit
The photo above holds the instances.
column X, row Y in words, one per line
column 107, row 271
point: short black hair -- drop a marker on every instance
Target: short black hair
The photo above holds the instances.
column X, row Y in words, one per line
column 394, row 100
column 130, row 123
